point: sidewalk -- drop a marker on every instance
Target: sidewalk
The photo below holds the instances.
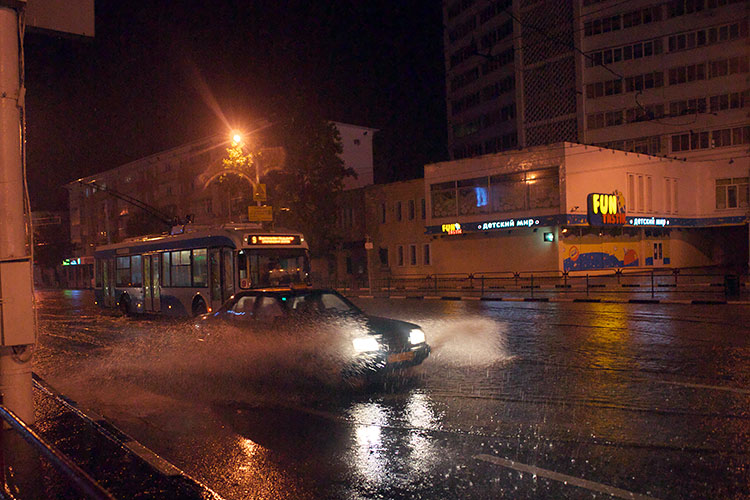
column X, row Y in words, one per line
column 117, row 462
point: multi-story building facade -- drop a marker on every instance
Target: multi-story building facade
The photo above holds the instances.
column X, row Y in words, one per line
column 662, row 78
column 178, row 183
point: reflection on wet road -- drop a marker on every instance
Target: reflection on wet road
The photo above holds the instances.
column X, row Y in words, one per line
column 517, row 400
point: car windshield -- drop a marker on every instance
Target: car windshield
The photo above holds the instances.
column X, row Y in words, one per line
column 321, row 302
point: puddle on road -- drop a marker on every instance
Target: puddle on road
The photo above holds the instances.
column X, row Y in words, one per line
column 296, row 366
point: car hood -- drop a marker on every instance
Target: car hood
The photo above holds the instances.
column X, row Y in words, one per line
column 391, row 328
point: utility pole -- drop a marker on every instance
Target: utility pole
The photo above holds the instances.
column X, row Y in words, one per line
column 17, row 326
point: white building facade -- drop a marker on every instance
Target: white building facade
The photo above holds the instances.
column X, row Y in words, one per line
column 569, row 207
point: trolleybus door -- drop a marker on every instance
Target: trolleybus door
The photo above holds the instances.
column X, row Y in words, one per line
column 221, row 275
column 215, row 277
column 151, row 295
column 108, row 282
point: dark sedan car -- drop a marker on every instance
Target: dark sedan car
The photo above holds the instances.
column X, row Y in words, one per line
column 374, row 345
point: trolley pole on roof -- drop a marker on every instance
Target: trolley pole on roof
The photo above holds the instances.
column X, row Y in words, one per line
column 17, row 328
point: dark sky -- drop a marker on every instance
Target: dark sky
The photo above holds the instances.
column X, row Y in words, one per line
column 162, row 73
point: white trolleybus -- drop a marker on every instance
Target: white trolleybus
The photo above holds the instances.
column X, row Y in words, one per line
column 196, row 271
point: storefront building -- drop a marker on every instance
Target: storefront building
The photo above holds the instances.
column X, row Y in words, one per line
column 570, row 207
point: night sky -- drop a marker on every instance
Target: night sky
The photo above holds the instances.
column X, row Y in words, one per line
column 163, row 73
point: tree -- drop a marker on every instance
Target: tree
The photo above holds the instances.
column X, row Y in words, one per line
column 313, row 174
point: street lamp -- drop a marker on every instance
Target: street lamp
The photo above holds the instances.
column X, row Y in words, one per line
column 236, row 138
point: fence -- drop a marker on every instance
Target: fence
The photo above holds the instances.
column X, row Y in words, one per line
column 71, row 473
column 640, row 283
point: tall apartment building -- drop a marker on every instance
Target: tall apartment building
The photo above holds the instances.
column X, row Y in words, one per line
column 664, row 78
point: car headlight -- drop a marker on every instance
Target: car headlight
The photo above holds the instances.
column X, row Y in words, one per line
column 416, row 336
column 365, row 344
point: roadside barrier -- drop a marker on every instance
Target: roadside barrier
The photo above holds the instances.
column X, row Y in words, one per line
column 77, row 476
column 641, row 284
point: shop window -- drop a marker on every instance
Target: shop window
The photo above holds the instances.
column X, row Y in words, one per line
column 443, row 198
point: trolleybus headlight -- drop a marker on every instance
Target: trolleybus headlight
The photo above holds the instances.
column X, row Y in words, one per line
column 416, row 336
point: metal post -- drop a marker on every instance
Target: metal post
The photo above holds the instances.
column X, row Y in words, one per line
column 436, row 284
column 652, row 283
column 532, row 285
column 587, row 285
column 17, row 329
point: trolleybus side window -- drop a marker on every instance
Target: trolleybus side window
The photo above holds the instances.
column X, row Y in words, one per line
column 180, row 268
column 128, row 271
column 200, row 269
column 136, row 271
column 165, row 279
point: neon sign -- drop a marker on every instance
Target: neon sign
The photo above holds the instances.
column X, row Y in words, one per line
column 454, row 228
column 72, row 262
column 648, row 221
column 606, row 209
column 273, row 239
column 507, row 224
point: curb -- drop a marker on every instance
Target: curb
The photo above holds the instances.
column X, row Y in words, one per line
column 159, row 464
column 563, row 299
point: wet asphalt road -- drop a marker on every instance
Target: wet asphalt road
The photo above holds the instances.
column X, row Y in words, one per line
column 518, row 400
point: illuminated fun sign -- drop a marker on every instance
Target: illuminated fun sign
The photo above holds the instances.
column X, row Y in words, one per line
column 454, row 228
column 606, row 209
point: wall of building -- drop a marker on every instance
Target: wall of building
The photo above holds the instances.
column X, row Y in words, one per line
column 356, row 143
column 669, row 213
column 502, row 251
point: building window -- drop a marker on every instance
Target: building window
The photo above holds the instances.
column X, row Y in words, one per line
column 383, row 212
column 383, row 256
column 424, row 209
column 412, row 255
column 400, row 256
column 732, row 193
column 412, row 210
column 426, row 257
column 670, row 195
column 399, row 215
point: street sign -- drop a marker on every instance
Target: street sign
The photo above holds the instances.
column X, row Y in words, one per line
column 260, row 214
column 259, row 192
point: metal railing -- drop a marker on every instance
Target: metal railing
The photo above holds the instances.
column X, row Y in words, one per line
column 77, row 476
column 537, row 284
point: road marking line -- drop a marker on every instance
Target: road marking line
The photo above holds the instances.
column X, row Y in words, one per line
column 563, row 478
column 702, row 386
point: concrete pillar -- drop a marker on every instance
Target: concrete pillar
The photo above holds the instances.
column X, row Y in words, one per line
column 17, row 329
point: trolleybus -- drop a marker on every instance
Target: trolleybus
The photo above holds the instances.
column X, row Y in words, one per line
column 197, row 270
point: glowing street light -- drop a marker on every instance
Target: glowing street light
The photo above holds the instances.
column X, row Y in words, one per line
column 236, row 137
